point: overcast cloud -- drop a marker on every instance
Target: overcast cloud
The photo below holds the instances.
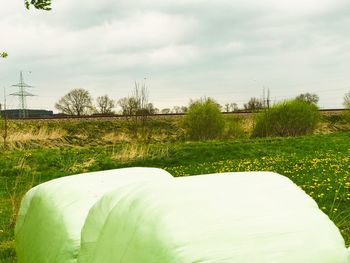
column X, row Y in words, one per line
column 225, row 49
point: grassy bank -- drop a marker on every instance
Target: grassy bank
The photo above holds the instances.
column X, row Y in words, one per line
column 319, row 164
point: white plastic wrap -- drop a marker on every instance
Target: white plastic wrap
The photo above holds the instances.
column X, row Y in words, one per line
column 233, row 217
column 52, row 214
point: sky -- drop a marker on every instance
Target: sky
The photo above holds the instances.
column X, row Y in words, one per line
column 230, row 50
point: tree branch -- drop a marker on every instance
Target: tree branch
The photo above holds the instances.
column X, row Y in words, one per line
column 38, row 4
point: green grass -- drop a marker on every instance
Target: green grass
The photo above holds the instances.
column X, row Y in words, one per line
column 319, row 164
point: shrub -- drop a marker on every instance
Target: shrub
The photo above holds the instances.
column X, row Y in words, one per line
column 288, row 118
column 204, row 120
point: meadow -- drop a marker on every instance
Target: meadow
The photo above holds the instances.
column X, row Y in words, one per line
column 39, row 151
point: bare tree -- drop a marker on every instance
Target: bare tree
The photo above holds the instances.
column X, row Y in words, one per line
column 253, row 104
column 165, row 111
column 177, row 109
column 138, row 108
column 129, row 106
column 150, row 109
column 156, row 111
column 140, row 94
column 347, row 100
column 76, row 102
column 137, row 104
column 233, row 107
column 347, row 107
column 184, row 109
column 227, row 107
column 105, row 104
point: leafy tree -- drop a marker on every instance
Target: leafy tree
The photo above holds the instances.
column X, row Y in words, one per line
column 253, row 104
column 308, row 97
column 76, row 102
column 105, row 104
column 204, row 120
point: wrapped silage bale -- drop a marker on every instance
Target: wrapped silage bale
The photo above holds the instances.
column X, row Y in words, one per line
column 234, row 217
column 96, row 219
column 52, row 214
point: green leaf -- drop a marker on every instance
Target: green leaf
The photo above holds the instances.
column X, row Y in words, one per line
column 3, row 55
column 38, row 4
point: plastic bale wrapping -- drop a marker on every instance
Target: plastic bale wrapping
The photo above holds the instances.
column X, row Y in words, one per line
column 52, row 214
column 234, row 217
column 96, row 218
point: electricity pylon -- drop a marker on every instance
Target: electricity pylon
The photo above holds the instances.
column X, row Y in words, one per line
column 22, row 94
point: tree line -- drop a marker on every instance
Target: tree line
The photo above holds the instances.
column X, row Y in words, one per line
column 293, row 117
column 80, row 102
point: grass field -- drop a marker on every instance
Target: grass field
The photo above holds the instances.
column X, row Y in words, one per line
column 319, row 164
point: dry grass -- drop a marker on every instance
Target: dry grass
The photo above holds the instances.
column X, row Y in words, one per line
column 82, row 167
column 139, row 152
column 116, row 137
column 327, row 127
column 324, row 128
column 161, row 137
column 247, row 124
column 81, row 136
column 146, row 136
column 21, row 184
column 43, row 136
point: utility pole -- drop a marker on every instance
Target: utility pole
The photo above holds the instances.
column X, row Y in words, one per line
column 4, row 136
column 22, row 94
column 268, row 99
column 263, row 98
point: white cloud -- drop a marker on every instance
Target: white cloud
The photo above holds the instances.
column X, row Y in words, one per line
column 199, row 47
column 173, row 55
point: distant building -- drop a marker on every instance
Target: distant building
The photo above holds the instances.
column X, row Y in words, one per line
column 14, row 114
